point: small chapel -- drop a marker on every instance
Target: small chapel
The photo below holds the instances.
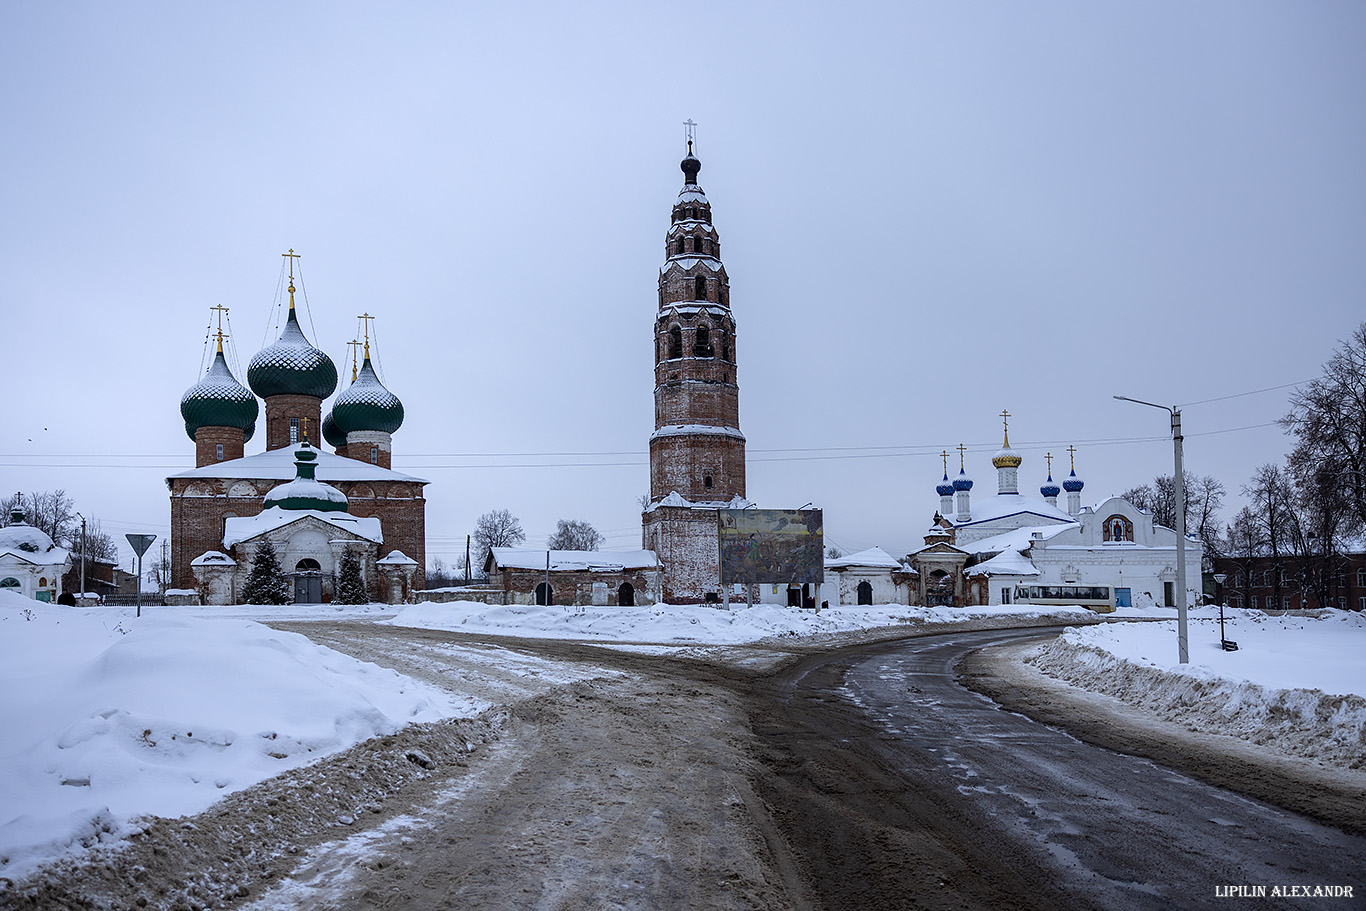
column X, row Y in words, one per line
column 314, row 507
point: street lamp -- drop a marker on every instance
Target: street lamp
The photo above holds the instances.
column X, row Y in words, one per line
column 1224, row 643
column 1183, row 651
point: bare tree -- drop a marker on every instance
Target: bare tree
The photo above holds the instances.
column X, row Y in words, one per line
column 1204, row 499
column 50, row 511
column 1328, row 419
column 1272, row 502
column 498, row 528
column 574, row 534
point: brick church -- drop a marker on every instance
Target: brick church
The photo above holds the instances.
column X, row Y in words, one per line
column 697, row 452
column 361, row 504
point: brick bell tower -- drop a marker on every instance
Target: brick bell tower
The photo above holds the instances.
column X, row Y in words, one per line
column 697, row 452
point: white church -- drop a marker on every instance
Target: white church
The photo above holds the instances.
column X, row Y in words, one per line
column 1014, row 547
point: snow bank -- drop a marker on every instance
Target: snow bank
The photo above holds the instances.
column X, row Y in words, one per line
column 692, row 623
column 110, row 717
column 1295, row 685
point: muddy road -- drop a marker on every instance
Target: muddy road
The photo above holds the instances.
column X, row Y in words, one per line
column 774, row 776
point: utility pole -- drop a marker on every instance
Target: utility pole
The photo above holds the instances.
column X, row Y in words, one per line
column 467, row 559
column 82, row 518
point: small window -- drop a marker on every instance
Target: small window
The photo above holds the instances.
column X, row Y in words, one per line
column 1361, row 604
column 706, row 481
column 1361, row 578
column 678, row 245
column 219, row 451
column 1238, row 579
column 702, row 342
column 700, row 288
column 675, row 342
column 692, row 213
column 1342, row 602
column 1253, row 602
column 294, row 430
column 374, row 455
column 308, row 565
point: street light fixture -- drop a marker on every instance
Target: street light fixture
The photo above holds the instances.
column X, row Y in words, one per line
column 1182, row 648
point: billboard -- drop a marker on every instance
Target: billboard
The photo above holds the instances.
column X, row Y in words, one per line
column 771, row 546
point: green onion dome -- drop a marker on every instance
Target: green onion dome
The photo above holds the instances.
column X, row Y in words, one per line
column 367, row 405
column 306, row 491
column 292, row 366
column 334, row 437
column 219, row 400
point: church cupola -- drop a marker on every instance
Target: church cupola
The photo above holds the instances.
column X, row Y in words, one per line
column 1073, row 484
column 945, row 488
column 697, row 449
column 1007, row 462
column 293, row 377
column 1050, row 490
column 368, row 413
column 962, row 486
column 306, row 491
column 220, row 413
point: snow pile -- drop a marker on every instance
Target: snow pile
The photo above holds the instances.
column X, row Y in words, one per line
column 109, row 717
column 1295, row 685
column 694, row 623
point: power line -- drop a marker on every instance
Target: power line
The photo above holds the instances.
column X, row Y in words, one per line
column 1238, row 395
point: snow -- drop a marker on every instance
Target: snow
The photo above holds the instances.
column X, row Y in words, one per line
column 243, row 528
column 1295, row 684
column 676, row 499
column 677, row 430
column 873, row 556
column 280, row 464
column 998, row 506
column 1006, row 563
column 110, row 717
column 1017, row 539
column 575, row 560
column 689, row 623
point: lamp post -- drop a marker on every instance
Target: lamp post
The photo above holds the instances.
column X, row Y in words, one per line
column 1183, row 651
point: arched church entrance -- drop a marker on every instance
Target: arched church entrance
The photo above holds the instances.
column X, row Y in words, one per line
column 308, row 582
column 545, row 594
column 865, row 592
column 626, row 595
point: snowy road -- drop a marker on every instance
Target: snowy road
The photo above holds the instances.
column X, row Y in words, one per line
column 778, row 775
column 901, row 788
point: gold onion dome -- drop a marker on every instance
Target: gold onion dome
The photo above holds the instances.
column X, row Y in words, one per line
column 367, row 405
column 218, row 400
column 1007, row 457
column 292, row 366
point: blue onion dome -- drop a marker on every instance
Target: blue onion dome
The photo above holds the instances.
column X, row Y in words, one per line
column 219, row 400
column 1049, row 489
column 945, row 488
column 962, row 482
column 305, row 491
column 334, row 437
column 292, row 366
column 1073, row 484
column 367, row 405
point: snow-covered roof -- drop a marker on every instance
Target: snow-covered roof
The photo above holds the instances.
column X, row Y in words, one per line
column 213, row 558
column 1016, row 539
column 691, row 193
column 873, row 556
column 677, row 499
column 1006, row 563
column 679, row 430
column 14, row 537
column 244, row 528
column 999, row 506
column 397, row 558
column 279, row 464
column 563, row 561
column 688, row 260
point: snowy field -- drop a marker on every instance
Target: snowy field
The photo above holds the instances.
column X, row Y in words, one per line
column 1296, row 684
column 694, row 624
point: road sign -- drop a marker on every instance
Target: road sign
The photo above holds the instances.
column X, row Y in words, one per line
column 140, row 543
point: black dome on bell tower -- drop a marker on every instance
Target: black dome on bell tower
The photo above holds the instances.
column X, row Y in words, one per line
column 690, row 165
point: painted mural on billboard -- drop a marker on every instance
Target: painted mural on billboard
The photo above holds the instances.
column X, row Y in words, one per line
column 772, row 546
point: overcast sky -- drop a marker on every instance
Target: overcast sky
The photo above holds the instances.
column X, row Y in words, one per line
column 929, row 213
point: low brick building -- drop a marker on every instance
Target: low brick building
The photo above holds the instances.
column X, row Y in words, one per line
column 576, row 577
column 1295, row 582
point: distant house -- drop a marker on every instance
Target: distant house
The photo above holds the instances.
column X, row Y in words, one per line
column 607, row 578
column 868, row 577
column 31, row 564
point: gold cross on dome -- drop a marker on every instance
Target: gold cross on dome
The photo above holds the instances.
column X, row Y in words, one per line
column 365, row 319
column 1048, row 457
column 945, row 454
column 961, row 449
column 1005, row 421
column 1072, row 457
column 291, row 256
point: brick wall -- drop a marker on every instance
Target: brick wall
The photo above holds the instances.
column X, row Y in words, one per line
column 686, row 542
column 280, row 408
column 208, row 439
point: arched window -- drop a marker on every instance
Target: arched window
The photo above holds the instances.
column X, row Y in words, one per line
column 702, row 342
column 678, row 245
column 691, row 212
column 626, row 595
column 294, row 430
column 865, row 592
column 307, row 565
column 545, row 594
column 675, row 341
column 700, row 288
column 9, row 582
column 1118, row 528
column 706, row 481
